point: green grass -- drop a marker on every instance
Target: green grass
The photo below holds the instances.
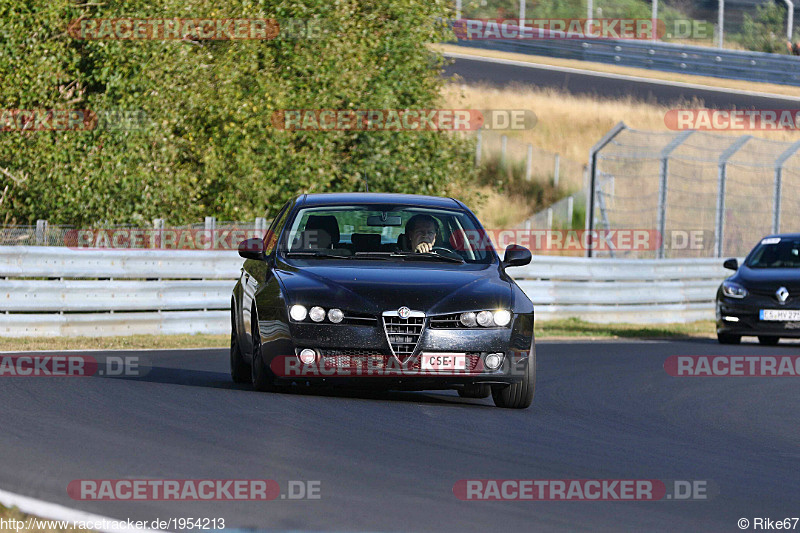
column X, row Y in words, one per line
column 132, row 342
column 571, row 327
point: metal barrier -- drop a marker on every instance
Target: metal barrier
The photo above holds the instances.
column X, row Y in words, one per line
column 666, row 57
column 127, row 292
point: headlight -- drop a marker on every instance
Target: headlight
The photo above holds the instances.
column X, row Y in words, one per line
column 335, row 315
column 317, row 314
column 485, row 318
column 733, row 290
column 502, row 317
column 468, row 319
column 298, row 313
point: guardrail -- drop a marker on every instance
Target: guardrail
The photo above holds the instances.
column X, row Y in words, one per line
column 56, row 291
column 667, row 57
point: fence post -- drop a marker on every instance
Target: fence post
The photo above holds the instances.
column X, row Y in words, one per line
column 776, row 206
column 41, row 232
column 556, row 169
column 211, row 224
column 458, row 9
column 478, row 148
column 503, row 147
column 529, row 163
column 158, row 226
column 607, row 138
column 719, row 234
column 261, row 225
column 662, row 188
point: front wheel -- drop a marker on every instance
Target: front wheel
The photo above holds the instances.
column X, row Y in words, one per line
column 518, row 395
column 261, row 376
column 240, row 370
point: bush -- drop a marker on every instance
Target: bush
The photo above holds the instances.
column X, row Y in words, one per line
column 209, row 147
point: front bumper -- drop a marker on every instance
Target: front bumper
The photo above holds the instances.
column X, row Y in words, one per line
column 741, row 317
column 361, row 356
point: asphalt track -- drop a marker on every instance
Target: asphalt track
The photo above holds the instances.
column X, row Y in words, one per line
column 388, row 461
column 575, row 81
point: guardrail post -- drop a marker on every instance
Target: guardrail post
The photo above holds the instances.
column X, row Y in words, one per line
column 158, row 226
column 529, row 163
column 662, row 188
column 41, row 232
column 776, row 206
column 556, row 169
column 570, row 210
column 719, row 234
column 458, row 9
column 607, row 138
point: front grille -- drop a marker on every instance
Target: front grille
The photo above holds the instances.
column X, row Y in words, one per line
column 403, row 334
column 447, row 321
column 794, row 293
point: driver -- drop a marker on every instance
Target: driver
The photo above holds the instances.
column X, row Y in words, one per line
column 421, row 231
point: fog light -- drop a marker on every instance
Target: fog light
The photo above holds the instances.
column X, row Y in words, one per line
column 308, row 356
column 502, row 317
column 468, row 319
column 317, row 314
column 730, row 318
column 298, row 313
column 335, row 315
column 485, row 318
column 493, row 361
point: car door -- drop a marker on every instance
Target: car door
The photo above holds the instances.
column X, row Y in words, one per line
column 256, row 274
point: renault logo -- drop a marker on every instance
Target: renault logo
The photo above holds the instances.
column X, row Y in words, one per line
column 782, row 295
column 405, row 312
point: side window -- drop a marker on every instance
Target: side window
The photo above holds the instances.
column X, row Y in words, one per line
column 274, row 231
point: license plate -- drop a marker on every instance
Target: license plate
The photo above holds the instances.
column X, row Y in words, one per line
column 443, row 361
column 787, row 315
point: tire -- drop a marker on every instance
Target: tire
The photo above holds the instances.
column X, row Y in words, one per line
column 518, row 395
column 727, row 338
column 240, row 370
column 262, row 377
column 475, row 390
column 768, row 340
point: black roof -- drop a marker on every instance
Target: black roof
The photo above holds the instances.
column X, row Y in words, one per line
column 344, row 198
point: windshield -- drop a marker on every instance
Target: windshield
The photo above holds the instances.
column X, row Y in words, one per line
column 387, row 232
column 776, row 252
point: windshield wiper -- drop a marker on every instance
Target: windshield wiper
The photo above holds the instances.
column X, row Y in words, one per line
column 315, row 253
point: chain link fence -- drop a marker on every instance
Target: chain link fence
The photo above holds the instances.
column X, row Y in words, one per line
column 157, row 235
column 708, row 195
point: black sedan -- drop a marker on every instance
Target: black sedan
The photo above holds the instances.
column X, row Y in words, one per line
column 763, row 297
column 382, row 290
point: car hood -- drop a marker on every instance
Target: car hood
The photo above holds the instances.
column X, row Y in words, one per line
column 374, row 288
column 768, row 278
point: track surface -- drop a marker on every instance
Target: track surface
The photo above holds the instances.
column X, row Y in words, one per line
column 605, row 86
column 388, row 462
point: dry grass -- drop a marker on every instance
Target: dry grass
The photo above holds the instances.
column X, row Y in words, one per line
column 571, row 124
column 501, row 211
column 629, row 71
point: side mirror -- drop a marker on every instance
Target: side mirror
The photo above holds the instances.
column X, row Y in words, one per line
column 252, row 248
column 516, row 255
column 731, row 264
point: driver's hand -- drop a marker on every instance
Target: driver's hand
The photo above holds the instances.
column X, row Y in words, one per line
column 424, row 248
